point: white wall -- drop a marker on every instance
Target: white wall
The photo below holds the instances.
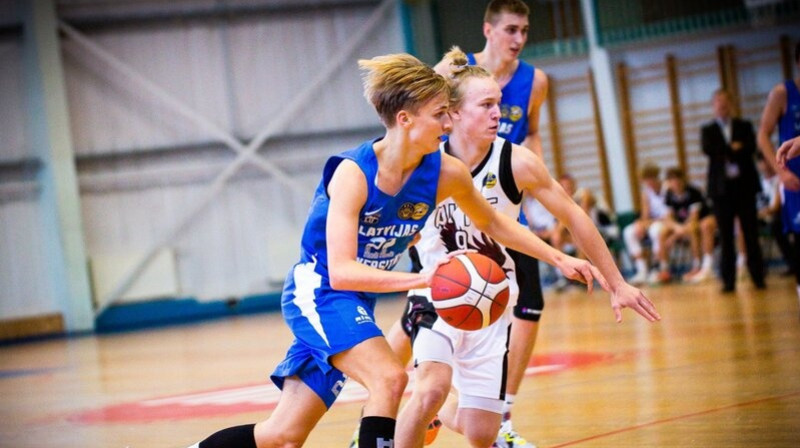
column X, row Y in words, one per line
column 142, row 167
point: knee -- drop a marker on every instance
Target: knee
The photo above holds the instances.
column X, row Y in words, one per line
column 433, row 395
column 392, row 382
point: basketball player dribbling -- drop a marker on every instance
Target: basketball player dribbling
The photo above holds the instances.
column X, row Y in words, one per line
column 371, row 202
column 475, row 362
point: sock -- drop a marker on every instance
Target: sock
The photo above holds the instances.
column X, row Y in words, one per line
column 641, row 266
column 663, row 265
column 238, row 436
column 695, row 263
column 376, row 432
column 507, row 404
column 740, row 260
column 708, row 262
column 798, row 292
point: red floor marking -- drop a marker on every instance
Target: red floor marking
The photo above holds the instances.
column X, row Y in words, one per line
column 677, row 417
column 264, row 396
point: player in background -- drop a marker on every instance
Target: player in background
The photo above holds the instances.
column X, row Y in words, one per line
column 783, row 110
column 475, row 362
column 370, row 204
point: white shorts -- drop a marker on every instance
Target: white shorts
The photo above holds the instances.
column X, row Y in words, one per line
column 479, row 360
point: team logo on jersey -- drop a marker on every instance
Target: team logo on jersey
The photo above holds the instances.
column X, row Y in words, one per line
column 490, row 180
column 364, row 316
column 405, row 211
column 504, row 112
column 420, row 210
column 516, row 113
column 372, row 217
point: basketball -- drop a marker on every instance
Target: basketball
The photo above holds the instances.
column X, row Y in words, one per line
column 470, row 291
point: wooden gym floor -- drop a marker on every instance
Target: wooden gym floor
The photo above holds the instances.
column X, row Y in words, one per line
column 718, row 371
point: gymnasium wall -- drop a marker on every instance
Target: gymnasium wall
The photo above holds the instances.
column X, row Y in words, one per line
column 756, row 60
column 144, row 166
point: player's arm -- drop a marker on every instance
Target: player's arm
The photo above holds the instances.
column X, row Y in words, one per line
column 455, row 182
column 348, row 194
column 538, row 96
column 776, row 103
column 533, row 178
column 644, row 207
column 773, row 110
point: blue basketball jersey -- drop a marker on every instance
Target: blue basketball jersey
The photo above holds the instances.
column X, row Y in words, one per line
column 788, row 128
column 325, row 321
column 387, row 224
column 514, row 104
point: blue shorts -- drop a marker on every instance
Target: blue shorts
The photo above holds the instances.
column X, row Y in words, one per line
column 324, row 322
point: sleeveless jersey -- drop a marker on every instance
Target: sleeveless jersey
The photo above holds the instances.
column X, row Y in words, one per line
column 448, row 229
column 514, row 104
column 387, row 223
column 658, row 208
column 788, row 128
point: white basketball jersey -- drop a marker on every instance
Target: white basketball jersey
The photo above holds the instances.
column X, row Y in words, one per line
column 448, row 229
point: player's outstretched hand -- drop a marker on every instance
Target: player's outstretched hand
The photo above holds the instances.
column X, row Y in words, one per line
column 582, row 271
column 788, row 150
column 627, row 296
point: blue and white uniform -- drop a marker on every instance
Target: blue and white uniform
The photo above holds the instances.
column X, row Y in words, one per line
column 789, row 128
column 325, row 321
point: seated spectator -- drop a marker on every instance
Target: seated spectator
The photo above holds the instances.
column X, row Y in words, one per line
column 689, row 218
column 594, row 207
column 540, row 220
column 650, row 224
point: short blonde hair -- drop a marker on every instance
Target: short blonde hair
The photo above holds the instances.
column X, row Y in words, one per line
column 456, row 69
column 396, row 82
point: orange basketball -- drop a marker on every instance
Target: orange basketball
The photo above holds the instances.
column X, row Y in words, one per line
column 470, row 291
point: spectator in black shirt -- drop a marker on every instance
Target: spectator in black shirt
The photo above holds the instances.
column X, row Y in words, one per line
column 690, row 218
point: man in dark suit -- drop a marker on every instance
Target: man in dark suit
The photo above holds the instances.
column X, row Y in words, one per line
column 733, row 182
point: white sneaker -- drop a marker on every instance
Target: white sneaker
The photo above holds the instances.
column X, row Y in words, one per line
column 354, row 440
column 639, row 279
column 700, row 276
column 510, row 439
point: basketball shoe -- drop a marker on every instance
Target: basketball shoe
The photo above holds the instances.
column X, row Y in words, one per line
column 508, row 438
column 433, row 430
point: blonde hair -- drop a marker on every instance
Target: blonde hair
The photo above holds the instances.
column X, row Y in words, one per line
column 396, row 82
column 455, row 67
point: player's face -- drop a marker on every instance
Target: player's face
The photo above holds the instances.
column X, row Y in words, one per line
column 429, row 124
column 675, row 185
column 508, row 35
column 478, row 116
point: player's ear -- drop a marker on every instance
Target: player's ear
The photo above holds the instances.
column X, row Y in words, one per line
column 403, row 118
column 487, row 29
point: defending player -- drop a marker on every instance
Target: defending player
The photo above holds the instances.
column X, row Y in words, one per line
column 475, row 362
